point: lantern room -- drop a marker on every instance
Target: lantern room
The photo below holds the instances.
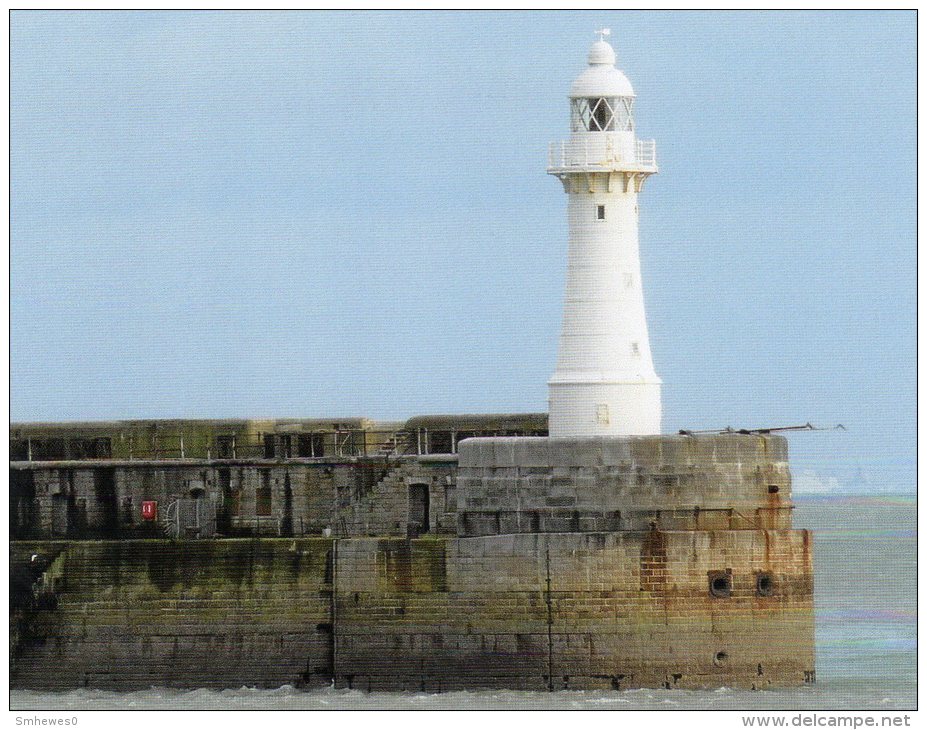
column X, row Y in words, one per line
column 601, row 98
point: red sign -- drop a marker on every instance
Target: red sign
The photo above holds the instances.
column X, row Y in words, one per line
column 149, row 510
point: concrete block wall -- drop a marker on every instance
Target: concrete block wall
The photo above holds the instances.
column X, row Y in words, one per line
column 349, row 496
column 575, row 611
column 132, row 614
column 558, row 611
column 309, row 508
column 620, row 610
column 726, row 481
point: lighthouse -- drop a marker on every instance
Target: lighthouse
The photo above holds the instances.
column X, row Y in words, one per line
column 604, row 383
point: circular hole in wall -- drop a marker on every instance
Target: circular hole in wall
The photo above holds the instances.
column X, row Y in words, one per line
column 720, row 585
column 720, row 659
column 764, row 584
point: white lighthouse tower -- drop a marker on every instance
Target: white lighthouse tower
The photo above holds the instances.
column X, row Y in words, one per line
column 604, row 384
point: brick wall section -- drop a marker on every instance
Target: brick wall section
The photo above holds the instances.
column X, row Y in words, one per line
column 515, row 611
column 717, row 482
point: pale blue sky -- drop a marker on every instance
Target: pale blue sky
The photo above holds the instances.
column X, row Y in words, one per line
column 325, row 214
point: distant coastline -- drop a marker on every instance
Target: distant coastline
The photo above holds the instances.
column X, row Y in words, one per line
column 897, row 498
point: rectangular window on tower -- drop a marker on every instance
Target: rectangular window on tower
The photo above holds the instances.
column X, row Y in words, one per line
column 600, row 212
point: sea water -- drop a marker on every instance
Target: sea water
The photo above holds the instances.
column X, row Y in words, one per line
column 865, row 598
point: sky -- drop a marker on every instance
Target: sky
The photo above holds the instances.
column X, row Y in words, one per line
column 314, row 214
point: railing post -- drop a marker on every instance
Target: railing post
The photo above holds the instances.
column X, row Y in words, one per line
column 562, row 153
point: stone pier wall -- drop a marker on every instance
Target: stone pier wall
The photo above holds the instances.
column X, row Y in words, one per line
column 618, row 610
column 662, row 561
column 132, row 614
column 356, row 496
column 706, row 482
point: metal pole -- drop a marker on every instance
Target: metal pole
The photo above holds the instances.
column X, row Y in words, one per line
column 334, row 604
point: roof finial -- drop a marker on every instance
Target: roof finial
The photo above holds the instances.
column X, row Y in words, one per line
column 603, row 32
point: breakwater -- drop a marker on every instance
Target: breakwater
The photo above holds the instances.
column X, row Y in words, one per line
column 542, row 611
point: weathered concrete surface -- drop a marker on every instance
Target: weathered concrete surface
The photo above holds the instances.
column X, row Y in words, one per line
column 716, row 482
column 618, row 610
column 502, row 485
column 132, row 614
column 648, row 562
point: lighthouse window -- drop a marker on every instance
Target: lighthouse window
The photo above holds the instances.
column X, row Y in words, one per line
column 600, row 212
column 635, row 349
column 628, row 281
column 601, row 414
column 598, row 114
column 602, row 116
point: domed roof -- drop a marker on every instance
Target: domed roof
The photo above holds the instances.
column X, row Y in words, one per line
column 601, row 52
column 601, row 78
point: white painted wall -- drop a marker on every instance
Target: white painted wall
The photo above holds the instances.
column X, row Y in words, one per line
column 605, row 383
